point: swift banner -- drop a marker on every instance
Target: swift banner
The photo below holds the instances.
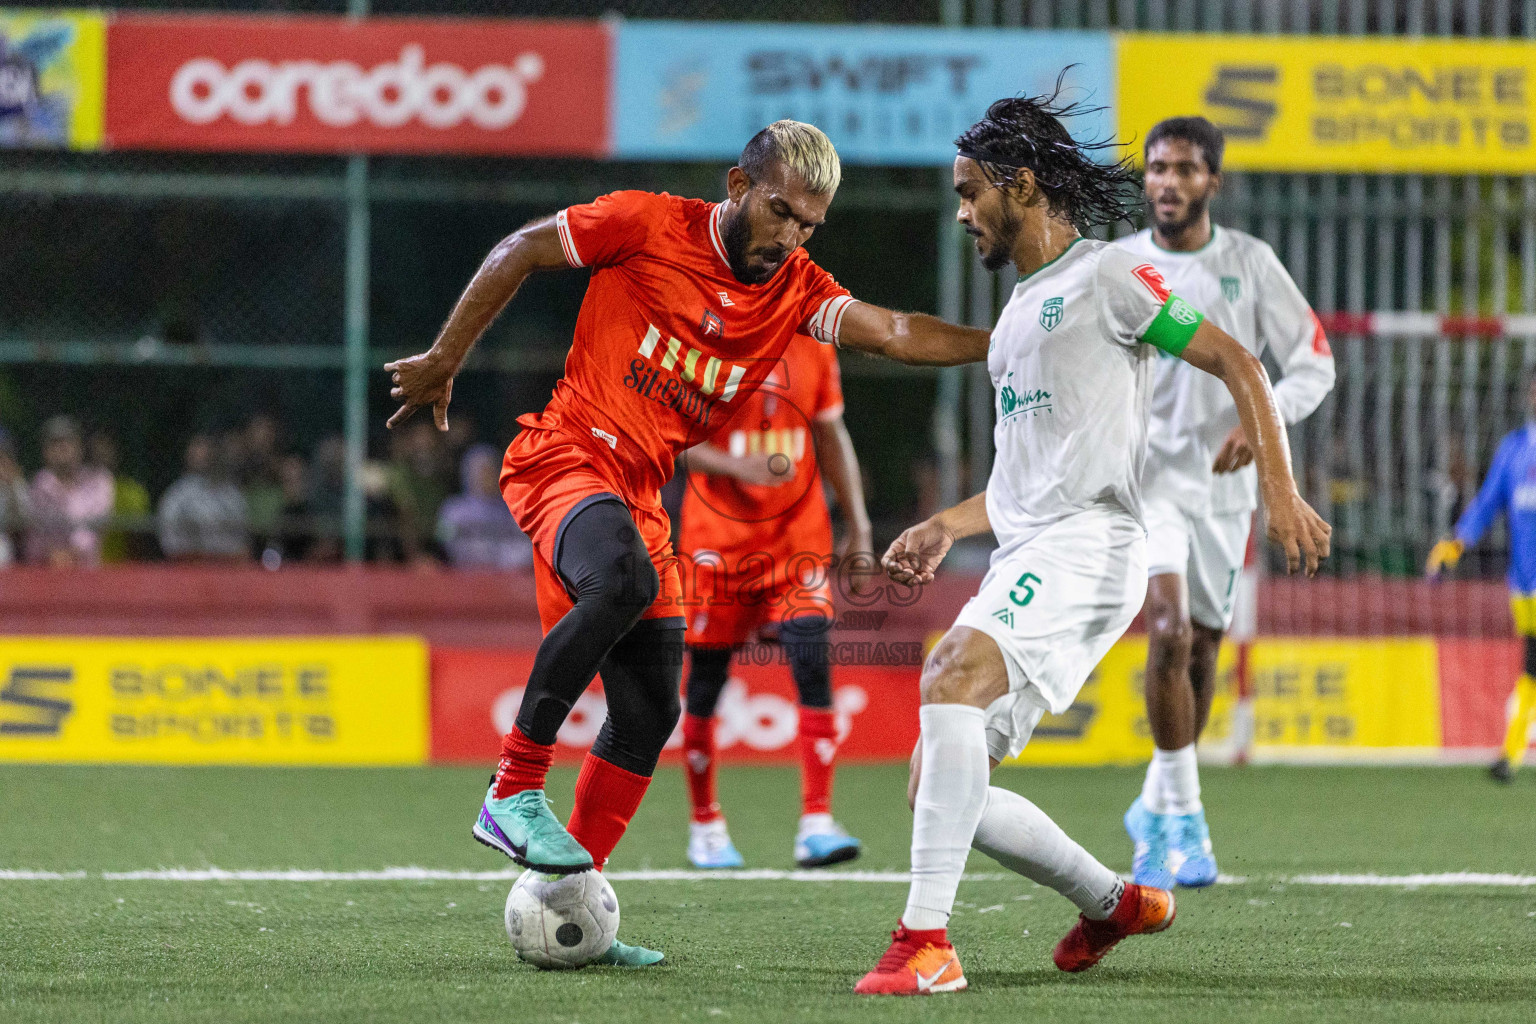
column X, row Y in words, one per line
column 884, row 94
column 329, row 85
column 51, row 79
column 1319, row 104
column 234, row 701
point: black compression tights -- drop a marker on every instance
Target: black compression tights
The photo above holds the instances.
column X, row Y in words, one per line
column 606, row 568
column 805, row 648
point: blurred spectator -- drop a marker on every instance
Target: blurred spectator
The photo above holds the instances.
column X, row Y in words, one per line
column 261, row 481
column 126, row 538
column 296, row 532
column 14, row 506
column 204, row 515
column 417, row 486
column 475, row 526
column 326, row 498
column 69, row 499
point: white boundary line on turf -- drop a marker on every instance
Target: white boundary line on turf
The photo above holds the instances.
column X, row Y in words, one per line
column 416, row 874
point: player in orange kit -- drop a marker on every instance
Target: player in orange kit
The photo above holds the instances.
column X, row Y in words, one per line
column 689, row 308
column 757, row 545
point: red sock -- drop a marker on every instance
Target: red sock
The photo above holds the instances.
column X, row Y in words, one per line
column 936, row 936
column 818, row 749
column 699, row 763
column 607, row 796
column 524, row 764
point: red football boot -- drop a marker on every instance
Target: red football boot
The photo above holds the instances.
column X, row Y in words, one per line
column 1141, row 910
column 917, row 964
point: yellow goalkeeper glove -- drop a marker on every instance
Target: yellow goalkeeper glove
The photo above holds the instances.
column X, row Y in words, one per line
column 1444, row 555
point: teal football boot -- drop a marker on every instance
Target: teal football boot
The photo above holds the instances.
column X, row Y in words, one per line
column 624, row 955
column 523, row 827
column 1189, row 842
column 1149, row 836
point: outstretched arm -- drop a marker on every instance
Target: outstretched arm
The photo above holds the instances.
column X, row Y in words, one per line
column 915, row 338
column 1293, row 525
column 764, row 468
column 913, row 557
column 427, row 379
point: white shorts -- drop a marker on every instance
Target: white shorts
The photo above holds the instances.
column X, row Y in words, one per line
column 1055, row 605
column 1206, row 550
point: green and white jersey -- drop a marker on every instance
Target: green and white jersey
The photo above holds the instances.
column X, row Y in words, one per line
column 1238, row 282
column 1071, row 360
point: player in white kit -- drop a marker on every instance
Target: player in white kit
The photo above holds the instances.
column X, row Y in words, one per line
column 1071, row 358
column 1199, row 489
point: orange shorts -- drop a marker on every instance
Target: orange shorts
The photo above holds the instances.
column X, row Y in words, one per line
column 727, row 608
column 546, row 479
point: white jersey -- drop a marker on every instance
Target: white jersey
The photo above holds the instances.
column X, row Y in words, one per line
column 1073, row 383
column 1238, row 282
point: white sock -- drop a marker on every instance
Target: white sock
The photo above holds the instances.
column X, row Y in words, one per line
column 1181, row 779
column 1021, row 837
column 1152, row 797
column 951, row 791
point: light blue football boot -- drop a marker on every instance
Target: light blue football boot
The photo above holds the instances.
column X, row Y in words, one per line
column 710, row 846
column 523, row 827
column 1149, row 836
column 1189, row 842
column 624, row 955
column 821, row 842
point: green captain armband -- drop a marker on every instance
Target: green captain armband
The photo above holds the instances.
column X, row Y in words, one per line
column 1173, row 326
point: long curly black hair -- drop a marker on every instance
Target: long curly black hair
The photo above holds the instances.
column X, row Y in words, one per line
column 1027, row 132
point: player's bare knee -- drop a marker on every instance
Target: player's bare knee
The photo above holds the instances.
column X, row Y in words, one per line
column 954, row 674
column 1170, row 638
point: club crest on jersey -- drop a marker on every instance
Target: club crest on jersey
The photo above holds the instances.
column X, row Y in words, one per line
column 1050, row 313
column 712, row 325
column 1231, row 288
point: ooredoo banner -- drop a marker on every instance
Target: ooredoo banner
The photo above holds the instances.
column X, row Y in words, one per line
column 224, row 701
column 328, row 85
column 476, row 693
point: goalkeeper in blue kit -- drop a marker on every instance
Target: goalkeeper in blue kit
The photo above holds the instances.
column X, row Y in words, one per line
column 1510, row 488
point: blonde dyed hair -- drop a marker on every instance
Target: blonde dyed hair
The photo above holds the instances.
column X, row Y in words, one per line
column 803, row 148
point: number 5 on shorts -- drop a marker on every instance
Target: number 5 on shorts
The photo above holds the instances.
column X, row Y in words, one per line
column 1027, row 582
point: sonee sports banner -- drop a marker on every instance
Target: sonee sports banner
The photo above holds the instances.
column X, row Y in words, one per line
column 1331, row 104
column 227, row 701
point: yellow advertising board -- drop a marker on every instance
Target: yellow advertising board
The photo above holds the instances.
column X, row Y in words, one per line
column 224, row 701
column 53, row 69
column 1339, row 103
column 1310, row 696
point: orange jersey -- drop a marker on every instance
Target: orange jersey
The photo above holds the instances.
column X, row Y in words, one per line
column 724, row 515
column 669, row 343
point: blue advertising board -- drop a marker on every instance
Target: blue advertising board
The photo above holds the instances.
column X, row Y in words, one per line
column 884, row 94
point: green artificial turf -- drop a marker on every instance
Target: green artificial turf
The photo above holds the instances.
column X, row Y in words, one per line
column 90, row 949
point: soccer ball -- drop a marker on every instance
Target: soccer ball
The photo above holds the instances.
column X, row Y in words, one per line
column 561, row 922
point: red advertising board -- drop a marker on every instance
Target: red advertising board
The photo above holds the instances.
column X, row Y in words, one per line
column 1476, row 680
column 329, row 85
column 475, row 695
